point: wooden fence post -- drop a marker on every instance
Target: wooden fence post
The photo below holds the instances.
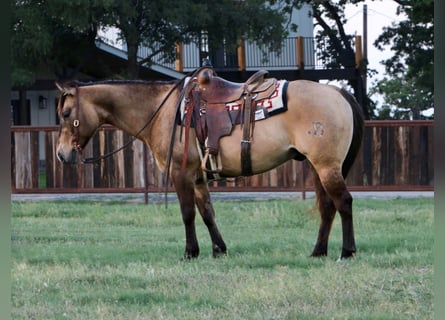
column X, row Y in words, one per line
column 145, row 171
column 358, row 52
column 179, row 65
column 241, row 52
column 300, row 53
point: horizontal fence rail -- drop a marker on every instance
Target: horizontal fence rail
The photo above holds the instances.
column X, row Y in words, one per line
column 395, row 155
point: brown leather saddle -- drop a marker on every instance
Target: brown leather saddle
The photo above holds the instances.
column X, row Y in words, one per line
column 205, row 106
column 216, row 90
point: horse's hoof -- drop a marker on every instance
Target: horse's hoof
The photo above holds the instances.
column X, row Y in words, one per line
column 317, row 254
column 190, row 255
column 346, row 254
column 186, row 258
column 219, row 252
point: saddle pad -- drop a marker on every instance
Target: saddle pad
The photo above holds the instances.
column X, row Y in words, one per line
column 277, row 103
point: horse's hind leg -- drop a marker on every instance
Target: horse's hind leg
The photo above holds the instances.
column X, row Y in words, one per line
column 335, row 186
column 327, row 214
column 208, row 215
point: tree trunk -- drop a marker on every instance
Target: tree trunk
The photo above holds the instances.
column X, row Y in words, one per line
column 132, row 67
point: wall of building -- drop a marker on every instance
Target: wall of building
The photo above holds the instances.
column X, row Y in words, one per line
column 43, row 112
column 304, row 21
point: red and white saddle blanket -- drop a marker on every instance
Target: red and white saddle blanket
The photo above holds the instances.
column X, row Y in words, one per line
column 265, row 108
column 275, row 104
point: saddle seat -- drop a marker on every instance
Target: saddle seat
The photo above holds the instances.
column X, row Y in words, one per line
column 216, row 90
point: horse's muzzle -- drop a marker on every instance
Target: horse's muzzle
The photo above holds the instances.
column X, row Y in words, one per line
column 69, row 157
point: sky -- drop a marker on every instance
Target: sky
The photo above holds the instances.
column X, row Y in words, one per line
column 380, row 14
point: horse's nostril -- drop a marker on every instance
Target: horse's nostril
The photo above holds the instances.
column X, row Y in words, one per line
column 60, row 157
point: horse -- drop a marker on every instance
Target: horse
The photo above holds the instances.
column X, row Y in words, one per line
column 323, row 124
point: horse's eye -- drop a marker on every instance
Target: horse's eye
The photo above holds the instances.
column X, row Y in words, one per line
column 66, row 113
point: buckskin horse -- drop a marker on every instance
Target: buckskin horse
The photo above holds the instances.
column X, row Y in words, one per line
column 322, row 123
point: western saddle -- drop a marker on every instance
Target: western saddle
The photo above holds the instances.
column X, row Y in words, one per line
column 205, row 104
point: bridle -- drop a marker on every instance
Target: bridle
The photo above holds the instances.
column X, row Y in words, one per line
column 76, row 123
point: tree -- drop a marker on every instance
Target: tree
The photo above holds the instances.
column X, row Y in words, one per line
column 409, row 86
column 403, row 99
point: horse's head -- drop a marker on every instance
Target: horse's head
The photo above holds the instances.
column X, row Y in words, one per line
column 78, row 122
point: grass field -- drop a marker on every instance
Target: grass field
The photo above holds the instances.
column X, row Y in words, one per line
column 90, row 260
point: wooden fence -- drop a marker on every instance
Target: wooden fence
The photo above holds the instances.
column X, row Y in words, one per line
column 395, row 155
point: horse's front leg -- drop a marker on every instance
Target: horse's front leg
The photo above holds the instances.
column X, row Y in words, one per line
column 208, row 215
column 185, row 190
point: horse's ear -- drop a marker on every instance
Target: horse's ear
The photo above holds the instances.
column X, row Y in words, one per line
column 65, row 89
column 59, row 86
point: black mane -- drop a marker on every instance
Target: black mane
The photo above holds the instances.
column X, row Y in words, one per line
column 77, row 83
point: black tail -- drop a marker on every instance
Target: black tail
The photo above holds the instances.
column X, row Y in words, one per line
column 357, row 135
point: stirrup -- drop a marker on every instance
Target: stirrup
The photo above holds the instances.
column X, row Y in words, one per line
column 215, row 164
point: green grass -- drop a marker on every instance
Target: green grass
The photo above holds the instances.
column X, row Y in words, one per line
column 88, row 260
column 42, row 180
